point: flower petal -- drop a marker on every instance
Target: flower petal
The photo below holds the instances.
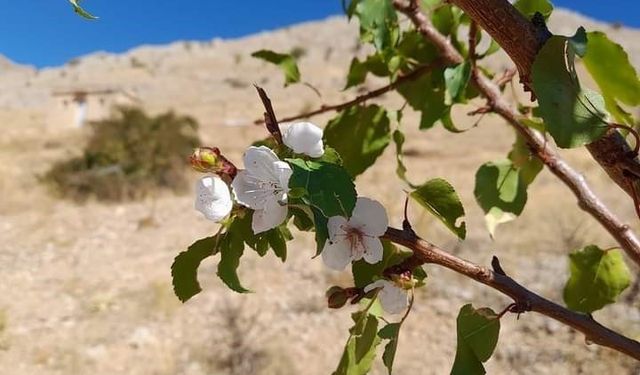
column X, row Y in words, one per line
column 213, row 198
column 336, row 254
column 372, row 249
column 370, row 217
column 270, row 217
column 248, row 192
column 284, row 172
column 259, row 162
column 393, row 299
column 336, row 226
column 304, row 138
column 375, row 285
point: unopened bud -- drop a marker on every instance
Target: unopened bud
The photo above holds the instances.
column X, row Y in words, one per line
column 336, row 297
column 210, row 160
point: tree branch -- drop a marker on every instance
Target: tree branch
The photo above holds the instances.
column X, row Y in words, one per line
column 412, row 75
column 425, row 252
column 587, row 200
column 521, row 40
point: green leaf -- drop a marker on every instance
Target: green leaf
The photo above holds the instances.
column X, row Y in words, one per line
column 360, row 135
column 426, row 95
column 322, row 232
column 231, row 247
column 357, row 73
column 331, row 156
column 274, row 239
column 609, row 65
column 360, row 350
column 401, row 169
column 329, row 191
column 285, row 62
column 477, row 332
column 500, row 192
column 493, row 48
column 80, row 11
column 390, row 332
column 441, row 199
column 302, row 217
column 278, row 238
column 184, row 270
column 523, row 159
column 573, row 116
column 329, row 186
column 598, row 277
column 414, row 47
column 529, row 7
column 378, row 22
column 456, row 80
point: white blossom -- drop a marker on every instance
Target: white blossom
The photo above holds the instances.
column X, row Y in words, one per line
column 393, row 299
column 304, row 138
column 357, row 237
column 263, row 186
column 213, row 198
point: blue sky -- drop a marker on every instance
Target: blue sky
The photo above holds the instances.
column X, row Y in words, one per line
column 48, row 33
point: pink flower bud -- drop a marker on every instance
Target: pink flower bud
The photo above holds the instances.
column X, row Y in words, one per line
column 210, row 160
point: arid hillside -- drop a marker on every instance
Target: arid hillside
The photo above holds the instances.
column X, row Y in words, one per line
column 86, row 288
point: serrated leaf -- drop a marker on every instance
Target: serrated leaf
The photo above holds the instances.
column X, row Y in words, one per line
column 184, row 270
column 598, row 277
column 477, row 332
column 329, row 186
column 500, row 192
column 378, row 22
column 329, row 191
column 285, row 62
column 231, row 247
column 529, row 7
column 390, row 332
column 573, row 116
column 609, row 65
column 456, row 80
column 441, row 199
column 360, row 135
column 80, row 11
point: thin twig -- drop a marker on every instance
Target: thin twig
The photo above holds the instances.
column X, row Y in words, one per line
column 587, row 200
column 425, row 252
column 417, row 72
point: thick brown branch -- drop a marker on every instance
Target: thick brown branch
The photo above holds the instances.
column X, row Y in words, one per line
column 587, row 200
column 509, row 28
column 414, row 74
column 521, row 40
column 425, row 252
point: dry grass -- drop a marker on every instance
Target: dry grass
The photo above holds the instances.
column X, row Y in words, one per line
column 87, row 287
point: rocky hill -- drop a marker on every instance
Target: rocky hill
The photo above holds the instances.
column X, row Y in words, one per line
column 86, row 289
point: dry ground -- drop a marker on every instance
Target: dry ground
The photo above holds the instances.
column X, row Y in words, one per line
column 86, row 289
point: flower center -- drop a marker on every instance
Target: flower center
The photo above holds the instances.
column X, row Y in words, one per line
column 355, row 238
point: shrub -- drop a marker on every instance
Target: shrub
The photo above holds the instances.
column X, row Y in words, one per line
column 128, row 156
